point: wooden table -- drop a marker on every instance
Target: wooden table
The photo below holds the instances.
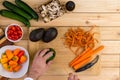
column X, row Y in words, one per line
column 103, row 13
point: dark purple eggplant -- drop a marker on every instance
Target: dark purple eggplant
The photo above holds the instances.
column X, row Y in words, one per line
column 89, row 65
column 37, row 34
column 50, row 34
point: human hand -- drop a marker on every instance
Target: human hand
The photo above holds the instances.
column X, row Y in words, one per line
column 39, row 65
column 73, row 77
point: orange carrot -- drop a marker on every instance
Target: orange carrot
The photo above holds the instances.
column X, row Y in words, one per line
column 79, row 56
column 88, row 54
column 80, row 64
column 98, row 49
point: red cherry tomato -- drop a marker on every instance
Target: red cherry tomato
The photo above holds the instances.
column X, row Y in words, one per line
column 13, row 28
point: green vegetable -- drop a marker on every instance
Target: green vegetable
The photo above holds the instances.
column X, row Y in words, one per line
column 17, row 10
column 27, row 8
column 52, row 57
column 12, row 15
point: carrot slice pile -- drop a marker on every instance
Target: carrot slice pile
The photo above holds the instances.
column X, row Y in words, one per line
column 79, row 38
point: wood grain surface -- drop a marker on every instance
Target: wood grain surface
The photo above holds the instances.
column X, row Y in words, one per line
column 103, row 13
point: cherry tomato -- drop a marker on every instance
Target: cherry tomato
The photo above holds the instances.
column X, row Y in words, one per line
column 13, row 28
column 17, row 28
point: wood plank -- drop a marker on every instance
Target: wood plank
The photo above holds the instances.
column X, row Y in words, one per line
column 64, row 55
column 110, row 33
column 22, row 43
column 111, row 47
column 96, row 5
column 82, row 5
column 74, row 19
column 113, row 74
column 106, row 74
column 110, row 61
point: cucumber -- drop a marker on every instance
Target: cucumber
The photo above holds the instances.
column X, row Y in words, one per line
column 17, row 10
column 12, row 15
column 27, row 8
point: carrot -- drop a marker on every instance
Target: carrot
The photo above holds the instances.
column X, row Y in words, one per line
column 98, row 49
column 16, row 51
column 79, row 56
column 9, row 54
column 80, row 64
column 88, row 54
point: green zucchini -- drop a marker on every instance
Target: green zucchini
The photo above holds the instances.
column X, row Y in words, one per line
column 17, row 10
column 52, row 57
column 27, row 8
column 12, row 15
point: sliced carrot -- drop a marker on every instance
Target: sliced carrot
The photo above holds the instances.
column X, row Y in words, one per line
column 82, row 63
column 79, row 38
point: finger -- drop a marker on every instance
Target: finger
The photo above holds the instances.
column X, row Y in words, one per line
column 37, row 54
column 76, row 77
column 42, row 53
column 48, row 55
column 71, row 76
column 49, row 63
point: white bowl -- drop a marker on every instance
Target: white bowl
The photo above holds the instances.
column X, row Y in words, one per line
column 7, row 35
column 22, row 71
